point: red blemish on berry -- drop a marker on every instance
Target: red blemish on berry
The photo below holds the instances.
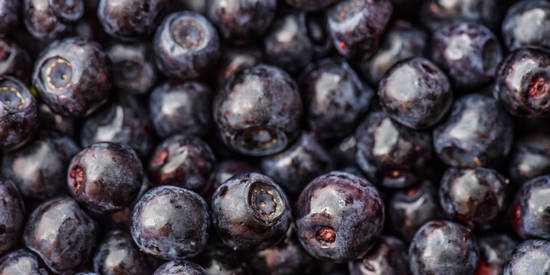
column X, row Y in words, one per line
column 412, row 192
column 538, row 87
column 483, row 268
column 326, row 235
column 77, row 174
column 161, row 157
column 342, row 46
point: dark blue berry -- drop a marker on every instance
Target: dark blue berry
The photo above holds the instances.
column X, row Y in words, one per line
column 117, row 254
column 387, row 256
column 134, row 70
column 529, row 257
column 12, row 215
column 531, row 209
column 52, row 19
column 526, row 24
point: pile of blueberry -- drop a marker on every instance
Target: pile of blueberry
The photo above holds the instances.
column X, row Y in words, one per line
column 322, row 137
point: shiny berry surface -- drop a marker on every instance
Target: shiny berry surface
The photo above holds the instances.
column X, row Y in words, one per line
column 530, row 216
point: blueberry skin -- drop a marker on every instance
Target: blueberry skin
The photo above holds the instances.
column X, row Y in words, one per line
column 356, row 26
column 478, row 132
column 184, row 161
column 186, row 45
column 14, row 60
column 387, row 256
column 250, row 212
column 527, row 24
column 180, row 267
column 21, row 261
column 134, row 70
column 240, row 20
column 235, row 59
column 495, row 252
column 335, row 98
column 12, row 215
column 18, row 113
column 390, row 154
column 435, row 13
column 416, row 93
column 39, row 168
column 476, row 197
column 55, row 122
column 297, row 165
column 287, row 45
column 286, row 258
column 117, row 254
column 259, row 110
column 181, row 107
column 170, row 223
column 310, row 5
column 48, row 20
column 443, row 247
column 468, row 52
column 72, row 76
column 531, row 209
column 529, row 157
column 530, row 257
column 409, row 209
column 62, row 234
column 105, row 177
column 401, row 41
column 130, row 19
column 9, row 14
column 338, row 216
column 124, row 120
column 522, row 82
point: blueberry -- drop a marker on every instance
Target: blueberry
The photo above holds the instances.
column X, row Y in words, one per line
column 435, row 13
column 130, row 19
column 105, row 177
column 530, row 157
column 9, row 14
column 62, row 234
column 286, row 258
column 250, row 212
column 296, row 166
column 409, row 209
column 416, row 93
column 14, row 60
column 52, row 19
column 117, row 254
column 387, row 256
column 443, row 247
column 227, row 169
column 476, row 133
column 390, row 154
column 335, row 98
column 401, row 41
column 468, row 52
column 180, row 267
column 476, row 197
column 338, row 216
column 12, row 215
column 240, row 20
column 356, row 26
column 258, row 111
column 72, row 77
column 134, row 70
column 495, row 252
column 179, row 107
column 529, row 257
column 522, row 82
column 527, row 24
column 39, row 168
column 235, row 59
column 184, row 161
column 21, row 261
column 287, row 44
column 170, row 222
column 18, row 113
column 124, row 120
column 186, row 45
column 531, row 209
